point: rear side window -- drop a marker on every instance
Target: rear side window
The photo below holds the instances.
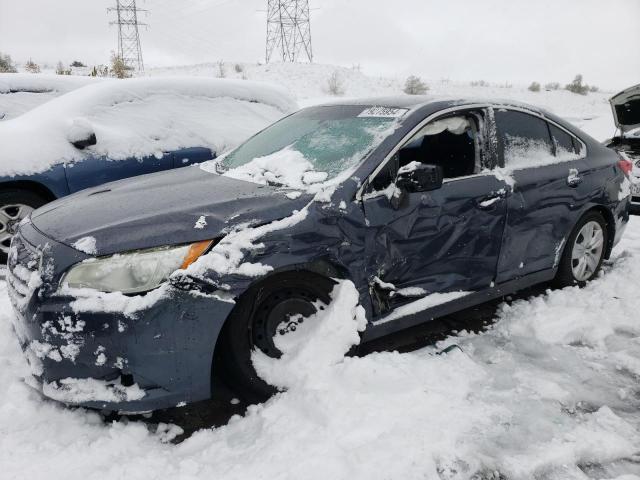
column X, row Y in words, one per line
column 523, row 139
column 564, row 142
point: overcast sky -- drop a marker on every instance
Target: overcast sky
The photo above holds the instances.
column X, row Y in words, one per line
column 496, row 40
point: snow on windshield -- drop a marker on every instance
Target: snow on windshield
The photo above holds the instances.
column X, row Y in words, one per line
column 139, row 118
column 287, row 167
column 308, row 149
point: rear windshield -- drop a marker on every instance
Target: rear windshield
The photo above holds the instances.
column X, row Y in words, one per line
column 311, row 146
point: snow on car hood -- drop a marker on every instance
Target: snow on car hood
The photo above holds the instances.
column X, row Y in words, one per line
column 138, row 118
column 166, row 208
column 626, row 109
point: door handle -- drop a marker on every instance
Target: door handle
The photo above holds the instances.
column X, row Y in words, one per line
column 489, row 202
column 573, row 182
column 574, row 179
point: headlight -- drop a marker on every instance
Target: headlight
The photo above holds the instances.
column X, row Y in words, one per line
column 133, row 272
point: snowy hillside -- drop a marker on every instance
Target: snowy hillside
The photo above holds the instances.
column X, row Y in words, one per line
column 310, row 84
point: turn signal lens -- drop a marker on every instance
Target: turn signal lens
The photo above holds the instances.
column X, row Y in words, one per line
column 195, row 250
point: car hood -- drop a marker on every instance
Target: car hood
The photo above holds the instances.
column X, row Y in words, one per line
column 167, row 208
column 626, row 109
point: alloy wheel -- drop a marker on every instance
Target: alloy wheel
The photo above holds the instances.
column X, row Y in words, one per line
column 587, row 251
column 10, row 216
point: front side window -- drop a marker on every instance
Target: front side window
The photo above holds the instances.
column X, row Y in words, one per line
column 311, row 146
column 450, row 142
column 523, row 139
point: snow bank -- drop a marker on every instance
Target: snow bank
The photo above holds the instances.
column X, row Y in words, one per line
column 137, row 118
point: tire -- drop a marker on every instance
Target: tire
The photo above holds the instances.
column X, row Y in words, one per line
column 14, row 206
column 583, row 251
column 253, row 325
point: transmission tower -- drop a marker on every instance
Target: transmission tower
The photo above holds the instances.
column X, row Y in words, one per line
column 129, row 49
column 289, row 30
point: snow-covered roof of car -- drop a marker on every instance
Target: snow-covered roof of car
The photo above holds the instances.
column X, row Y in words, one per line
column 139, row 117
column 28, row 82
column 416, row 101
column 20, row 92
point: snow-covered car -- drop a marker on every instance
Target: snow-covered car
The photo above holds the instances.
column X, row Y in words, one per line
column 21, row 92
column 133, row 296
column 118, row 129
column 626, row 114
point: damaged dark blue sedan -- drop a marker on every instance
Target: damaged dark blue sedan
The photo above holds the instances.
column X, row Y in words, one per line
column 130, row 296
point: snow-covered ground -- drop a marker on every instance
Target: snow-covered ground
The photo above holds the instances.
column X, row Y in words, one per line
column 550, row 391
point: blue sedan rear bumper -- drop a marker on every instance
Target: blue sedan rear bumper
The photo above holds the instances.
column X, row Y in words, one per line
column 155, row 358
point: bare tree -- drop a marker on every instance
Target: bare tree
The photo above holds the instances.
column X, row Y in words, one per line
column 61, row 70
column 222, row 73
column 32, row 67
column 335, row 85
column 6, row 64
column 552, row 86
column 415, row 86
column 119, row 69
column 577, row 86
column 534, row 87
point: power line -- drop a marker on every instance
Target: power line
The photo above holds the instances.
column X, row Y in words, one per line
column 289, row 30
column 129, row 49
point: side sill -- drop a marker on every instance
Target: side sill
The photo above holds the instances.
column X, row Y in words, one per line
column 374, row 331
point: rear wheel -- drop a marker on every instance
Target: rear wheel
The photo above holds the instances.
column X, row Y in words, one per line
column 584, row 252
column 14, row 206
column 274, row 308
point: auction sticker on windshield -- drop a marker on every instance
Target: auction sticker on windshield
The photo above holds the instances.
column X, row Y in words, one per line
column 383, row 112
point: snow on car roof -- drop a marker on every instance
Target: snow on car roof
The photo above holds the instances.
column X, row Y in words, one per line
column 21, row 92
column 28, row 82
column 137, row 118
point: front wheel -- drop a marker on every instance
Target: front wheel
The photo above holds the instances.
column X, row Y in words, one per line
column 584, row 252
column 274, row 308
column 15, row 205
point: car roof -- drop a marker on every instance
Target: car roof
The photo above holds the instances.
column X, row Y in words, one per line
column 418, row 101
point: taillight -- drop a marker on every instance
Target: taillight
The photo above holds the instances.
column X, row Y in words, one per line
column 625, row 165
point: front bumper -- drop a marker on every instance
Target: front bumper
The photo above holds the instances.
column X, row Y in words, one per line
column 157, row 357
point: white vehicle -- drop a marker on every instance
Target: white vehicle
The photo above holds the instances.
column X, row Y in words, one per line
column 626, row 114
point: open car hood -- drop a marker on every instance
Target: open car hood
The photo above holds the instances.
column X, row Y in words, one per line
column 626, row 109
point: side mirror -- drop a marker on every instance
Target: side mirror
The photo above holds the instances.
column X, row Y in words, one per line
column 419, row 177
column 85, row 142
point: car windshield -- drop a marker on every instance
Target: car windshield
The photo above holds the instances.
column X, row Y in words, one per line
column 311, row 146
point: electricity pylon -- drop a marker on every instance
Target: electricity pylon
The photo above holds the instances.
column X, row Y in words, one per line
column 129, row 49
column 289, row 30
